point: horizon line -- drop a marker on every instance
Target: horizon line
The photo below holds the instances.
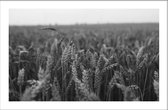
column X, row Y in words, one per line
column 83, row 24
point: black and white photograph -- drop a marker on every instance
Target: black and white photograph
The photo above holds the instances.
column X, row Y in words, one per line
column 83, row 55
column 57, row 55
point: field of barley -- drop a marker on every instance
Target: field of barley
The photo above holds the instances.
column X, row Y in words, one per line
column 99, row 62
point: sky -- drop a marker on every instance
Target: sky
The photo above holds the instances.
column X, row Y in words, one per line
column 81, row 16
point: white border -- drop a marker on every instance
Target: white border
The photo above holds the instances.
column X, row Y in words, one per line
column 6, row 5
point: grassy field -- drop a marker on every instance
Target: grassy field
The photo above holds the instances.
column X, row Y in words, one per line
column 98, row 62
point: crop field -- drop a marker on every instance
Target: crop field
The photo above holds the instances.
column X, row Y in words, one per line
column 96, row 62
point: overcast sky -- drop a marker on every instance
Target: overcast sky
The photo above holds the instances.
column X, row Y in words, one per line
column 80, row 16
